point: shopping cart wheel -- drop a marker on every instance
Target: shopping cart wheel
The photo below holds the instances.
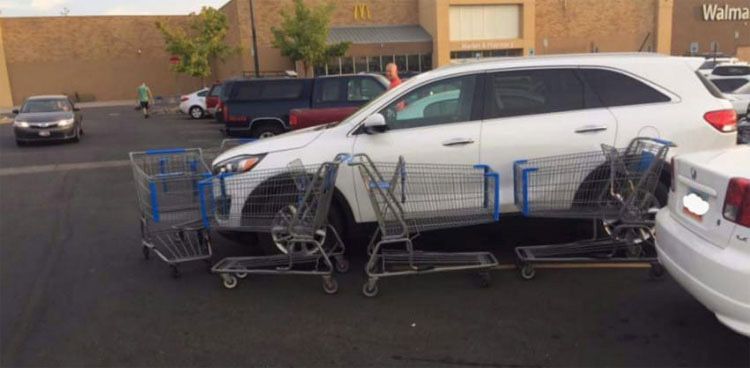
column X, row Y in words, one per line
column 370, row 291
column 241, row 275
column 656, row 271
column 484, row 279
column 229, row 281
column 342, row 265
column 527, row 271
column 175, row 271
column 146, row 252
column 330, row 285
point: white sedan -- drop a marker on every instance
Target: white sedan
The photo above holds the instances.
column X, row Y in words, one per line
column 703, row 235
column 194, row 104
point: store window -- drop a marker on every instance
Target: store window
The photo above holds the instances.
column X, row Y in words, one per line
column 373, row 63
column 360, row 64
column 407, row 64
column 484, row 22
column 347, row 65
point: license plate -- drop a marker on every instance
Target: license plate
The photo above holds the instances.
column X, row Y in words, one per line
column 44, row 133
column 695, row 205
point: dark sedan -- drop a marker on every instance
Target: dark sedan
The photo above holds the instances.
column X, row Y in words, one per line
column 47, row 118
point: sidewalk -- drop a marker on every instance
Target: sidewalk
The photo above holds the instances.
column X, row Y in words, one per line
column 83, row 105
column 6, row 113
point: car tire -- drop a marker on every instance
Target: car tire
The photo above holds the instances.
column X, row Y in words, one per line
column 196, row 112
column 267, row 130
column 335, row 219
column 20, row 143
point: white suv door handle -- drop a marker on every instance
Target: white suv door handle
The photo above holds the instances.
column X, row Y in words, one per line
column 591, row 128
column 458, row 142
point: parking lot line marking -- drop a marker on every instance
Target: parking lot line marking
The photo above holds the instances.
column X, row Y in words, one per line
column 62, row 167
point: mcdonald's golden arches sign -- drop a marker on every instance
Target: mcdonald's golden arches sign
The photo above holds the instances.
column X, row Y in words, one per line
column 362, row 11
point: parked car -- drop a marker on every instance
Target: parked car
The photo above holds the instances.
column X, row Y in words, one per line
column 53, row 117
column 743, row 129
column 336, row 98
column 703, row 236
column 194, row 104
column 731, row 70
column 212, row 98
column 497, row 111
column 739, row 97
column 260, row 107
column 711, row 62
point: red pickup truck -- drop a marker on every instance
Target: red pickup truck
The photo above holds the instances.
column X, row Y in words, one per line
column 337, row 99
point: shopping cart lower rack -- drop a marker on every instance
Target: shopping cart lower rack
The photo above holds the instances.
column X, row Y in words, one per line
column 613, row 186
column 291, row 204
column 166, row 184
column 410, row 198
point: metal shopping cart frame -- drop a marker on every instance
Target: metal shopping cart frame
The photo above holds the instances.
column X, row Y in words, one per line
column 458, row 195
column 166, row 183
column 615, row 186
column 299, row 226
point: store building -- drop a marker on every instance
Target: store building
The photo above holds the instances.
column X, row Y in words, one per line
column 42, row 55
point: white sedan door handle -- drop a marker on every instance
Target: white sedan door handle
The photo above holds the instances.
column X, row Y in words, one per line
column 458, row 142
column 591, row 128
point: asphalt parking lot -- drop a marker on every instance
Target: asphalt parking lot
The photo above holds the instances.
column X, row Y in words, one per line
column 75, row 290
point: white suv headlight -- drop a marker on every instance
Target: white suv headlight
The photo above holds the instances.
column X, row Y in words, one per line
column 239, row 164
column 20, row 124
column 65, row 122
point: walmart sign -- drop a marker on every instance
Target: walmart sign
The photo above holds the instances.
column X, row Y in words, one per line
column 714, row 12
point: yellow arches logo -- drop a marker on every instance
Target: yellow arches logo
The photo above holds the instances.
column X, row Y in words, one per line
column 362, row 12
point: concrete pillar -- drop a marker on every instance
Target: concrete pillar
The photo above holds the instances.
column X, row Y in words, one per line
column 664, row 10
column 6, row 99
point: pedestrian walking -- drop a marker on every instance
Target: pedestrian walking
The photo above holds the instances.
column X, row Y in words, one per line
column 144, row 97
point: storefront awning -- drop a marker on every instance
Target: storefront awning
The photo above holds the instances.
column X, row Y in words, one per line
column 378, row 34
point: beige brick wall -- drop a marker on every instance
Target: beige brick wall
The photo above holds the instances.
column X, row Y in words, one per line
column 611, row 25
column 104, row 58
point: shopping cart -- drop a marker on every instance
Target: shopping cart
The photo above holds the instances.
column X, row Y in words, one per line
column 420, row 197
column 166, row 184
column 614, row 186
column 292, row 205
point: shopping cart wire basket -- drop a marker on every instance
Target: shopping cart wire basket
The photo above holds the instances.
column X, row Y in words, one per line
column 410, row 198
column 167, row 189
column 614, row 186
column 291, row 204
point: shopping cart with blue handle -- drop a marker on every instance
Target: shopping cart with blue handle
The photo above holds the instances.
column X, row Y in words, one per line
column 613, row 186
column 292, row 204
column 411, row 198
column 167, row 188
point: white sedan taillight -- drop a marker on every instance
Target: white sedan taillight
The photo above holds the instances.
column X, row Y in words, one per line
column 724, row 121
column 737, row 201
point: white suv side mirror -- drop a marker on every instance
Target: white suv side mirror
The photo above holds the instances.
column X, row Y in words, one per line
column 374, row 123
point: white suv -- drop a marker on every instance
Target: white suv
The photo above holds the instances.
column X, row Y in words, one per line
column 497, row 111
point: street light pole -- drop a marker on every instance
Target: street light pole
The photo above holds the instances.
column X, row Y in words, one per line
column 255, row 41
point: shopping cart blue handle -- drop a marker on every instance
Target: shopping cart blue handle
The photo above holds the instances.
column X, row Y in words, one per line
column 165, row 151
column 381, row 185
column 663, row 141
column 344, row 158
column 168, row 175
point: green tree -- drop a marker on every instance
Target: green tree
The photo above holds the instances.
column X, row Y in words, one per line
column 201, row 43
column 303, row 34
